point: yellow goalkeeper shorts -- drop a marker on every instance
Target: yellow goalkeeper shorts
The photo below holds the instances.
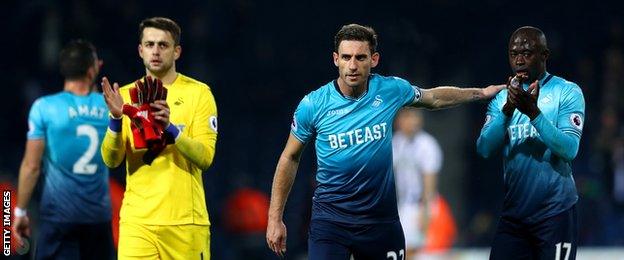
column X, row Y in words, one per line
column 137, row 241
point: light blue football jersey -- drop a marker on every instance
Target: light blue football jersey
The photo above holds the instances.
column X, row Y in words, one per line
column 538, row 182
column 74, row 177
column 353, row 140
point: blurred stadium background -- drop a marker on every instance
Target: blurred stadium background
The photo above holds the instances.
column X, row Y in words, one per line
column 262, row 57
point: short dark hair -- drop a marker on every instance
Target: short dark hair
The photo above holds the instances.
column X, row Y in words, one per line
column 356, row 32
column 164, row 24
column 76, row 58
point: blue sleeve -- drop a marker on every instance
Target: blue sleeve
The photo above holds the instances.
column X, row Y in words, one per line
column 36, row 122
column 408, row 94
column 563, row 139
column 492, row 134
column 302, row 126
column 572, row 112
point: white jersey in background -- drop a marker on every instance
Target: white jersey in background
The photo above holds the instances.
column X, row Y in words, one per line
column 413, row 156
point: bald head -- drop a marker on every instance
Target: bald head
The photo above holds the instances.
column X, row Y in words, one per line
column 530, row 33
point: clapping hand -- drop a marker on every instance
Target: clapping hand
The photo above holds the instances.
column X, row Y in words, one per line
column 525, row 101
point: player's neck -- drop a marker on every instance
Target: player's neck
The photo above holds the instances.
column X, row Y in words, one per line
column 352, row 92
column 80, row 87
column 539, row 77
column 409, row 133
column 167, row 78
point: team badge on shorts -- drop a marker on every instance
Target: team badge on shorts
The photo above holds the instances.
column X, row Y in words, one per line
column 577, row 121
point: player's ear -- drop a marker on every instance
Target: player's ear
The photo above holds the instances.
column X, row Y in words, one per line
column 335, row 55
column 92, row 72
column 177, row 50
column 140, row 50
column 545, row 54
column 375, row 59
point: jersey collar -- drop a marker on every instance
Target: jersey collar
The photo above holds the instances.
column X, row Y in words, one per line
column 547, row 77
column 335, row 82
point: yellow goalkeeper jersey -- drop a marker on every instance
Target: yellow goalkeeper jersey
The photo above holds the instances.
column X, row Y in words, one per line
column 170, row 190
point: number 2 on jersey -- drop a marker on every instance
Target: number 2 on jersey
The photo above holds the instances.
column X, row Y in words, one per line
column 83, row 165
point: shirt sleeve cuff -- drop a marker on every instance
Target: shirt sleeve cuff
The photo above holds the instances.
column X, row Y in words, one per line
column 538, row 119
column 19, row 212
column 173, row 131
column 114, row 124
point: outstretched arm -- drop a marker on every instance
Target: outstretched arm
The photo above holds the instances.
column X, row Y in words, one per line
column 448, row 96
column 282, row 183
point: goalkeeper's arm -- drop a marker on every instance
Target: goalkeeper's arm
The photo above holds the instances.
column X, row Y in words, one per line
column 113, row 148
column 199, row 148
column 200, row 151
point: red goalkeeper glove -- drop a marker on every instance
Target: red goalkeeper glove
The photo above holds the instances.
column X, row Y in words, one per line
column 153, row 90
column 145, row 130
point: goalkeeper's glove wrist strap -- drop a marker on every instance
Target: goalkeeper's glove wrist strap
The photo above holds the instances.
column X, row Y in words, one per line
column 115, row 117
column 173, row 131
column 114, row 124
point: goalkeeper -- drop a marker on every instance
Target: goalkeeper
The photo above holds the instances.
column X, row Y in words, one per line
column 165, row 125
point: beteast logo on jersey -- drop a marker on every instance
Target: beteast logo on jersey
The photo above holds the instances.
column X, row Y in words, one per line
column 522, row 131
column 357, row 136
